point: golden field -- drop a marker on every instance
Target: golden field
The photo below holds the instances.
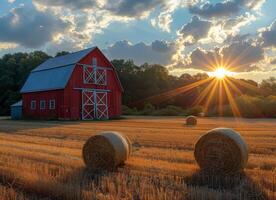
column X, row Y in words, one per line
column 42, row 160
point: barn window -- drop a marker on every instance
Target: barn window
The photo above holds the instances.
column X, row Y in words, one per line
column 33, row 105
column 94, row 62
column 42, row 104
column 52, row 104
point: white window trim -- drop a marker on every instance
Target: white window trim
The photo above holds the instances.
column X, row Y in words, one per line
column 42, row 108
column 54, row 104
column 33, row 102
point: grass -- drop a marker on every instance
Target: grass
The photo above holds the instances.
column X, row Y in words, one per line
column 42, row 160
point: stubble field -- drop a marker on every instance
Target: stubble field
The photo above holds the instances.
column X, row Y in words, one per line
column 42, row 160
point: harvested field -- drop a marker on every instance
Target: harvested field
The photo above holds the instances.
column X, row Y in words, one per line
column 43, row 160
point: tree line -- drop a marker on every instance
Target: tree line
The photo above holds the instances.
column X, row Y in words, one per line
column 139, row 83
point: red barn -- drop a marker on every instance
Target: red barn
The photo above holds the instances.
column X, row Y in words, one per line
column 81, row 85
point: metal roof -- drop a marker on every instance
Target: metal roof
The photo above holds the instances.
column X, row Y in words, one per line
column 53, row 79
column 69, row 59
column 19, row 103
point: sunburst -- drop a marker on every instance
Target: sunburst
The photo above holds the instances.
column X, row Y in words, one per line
column 220, row 85
column 221, row 73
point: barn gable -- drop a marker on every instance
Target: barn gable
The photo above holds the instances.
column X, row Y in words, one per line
column 54, row 73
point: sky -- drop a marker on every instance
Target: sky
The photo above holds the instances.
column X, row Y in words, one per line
column 186, row 36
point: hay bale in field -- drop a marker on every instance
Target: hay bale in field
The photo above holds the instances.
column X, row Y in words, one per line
column 221, row 150
column 191, row 120
column 106, row 150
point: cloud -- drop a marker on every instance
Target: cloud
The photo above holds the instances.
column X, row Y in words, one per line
column 164, row 19
column 237, row 57
column 226, row 8
column 234, row 24
column 223, row 9
column 126, row 8
column 242, row 56
column 132, row 8
column 273, row 61
column 227, row 29
column 72, row 4
column 268, row 35
column 158, row 52
column 196, row 29
column 29, row 27
column 7, row 45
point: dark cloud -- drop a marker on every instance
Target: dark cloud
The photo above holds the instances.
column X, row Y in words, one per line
column 225, row 8
column 132, row 8
column 159, row 52
column 268, row 35
column 238, row 57
column 241, row 56
column 72, row 4
column 237, row 38
column 204, row 60
column 196, row 28
column 160, row 46
column 129, row 8
column 29, row 27
column 273, row 61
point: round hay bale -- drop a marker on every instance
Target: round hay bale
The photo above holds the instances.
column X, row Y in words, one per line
column 106, row 150
column 191, row 120
column 221, row 150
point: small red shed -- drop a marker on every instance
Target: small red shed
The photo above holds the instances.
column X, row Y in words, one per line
column 81, row 85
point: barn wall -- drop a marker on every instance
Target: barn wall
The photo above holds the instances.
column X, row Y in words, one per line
column 59, row 111
column 73, row 95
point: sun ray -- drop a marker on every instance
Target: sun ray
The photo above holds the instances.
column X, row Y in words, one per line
column 204, row 93
column 210, row 97
column 220, row 103
column 231, row 100
column 172, row 93
column 237, row 90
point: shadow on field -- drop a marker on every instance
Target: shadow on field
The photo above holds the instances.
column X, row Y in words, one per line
column 84, row 177
column 240, row 184
column 12, row 126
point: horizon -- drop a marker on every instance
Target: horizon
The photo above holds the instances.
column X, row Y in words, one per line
column 184, row 36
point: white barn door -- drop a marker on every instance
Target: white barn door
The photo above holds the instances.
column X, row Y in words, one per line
column 88, row 105
column 94, row 105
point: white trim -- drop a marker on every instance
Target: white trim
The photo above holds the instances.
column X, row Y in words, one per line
column 98, row 67
column 94, row 104
column 40, row 105
column 91, row 89
column 52, row 107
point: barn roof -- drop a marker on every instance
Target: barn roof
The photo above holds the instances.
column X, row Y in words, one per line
column 68, row 59
column 44, row 80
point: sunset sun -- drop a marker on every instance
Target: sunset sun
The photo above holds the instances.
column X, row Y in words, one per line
column 221, row 73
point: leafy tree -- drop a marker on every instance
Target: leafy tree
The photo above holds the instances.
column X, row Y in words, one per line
column 62, row 53
column 14, row 69
column 269, row 84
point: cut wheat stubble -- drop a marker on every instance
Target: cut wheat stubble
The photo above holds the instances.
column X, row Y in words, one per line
column 106, row 151
column 221, row 150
